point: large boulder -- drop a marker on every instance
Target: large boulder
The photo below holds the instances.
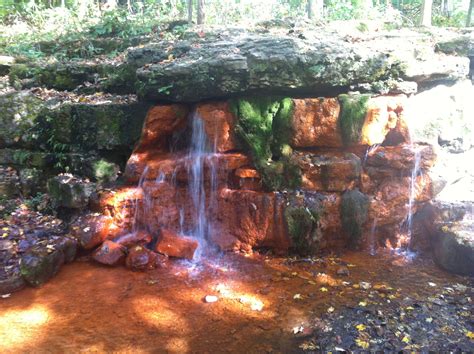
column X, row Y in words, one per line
column 452, row 236
column 70, row 192
column 173, row 245
column 316, row 62
column 38, row 266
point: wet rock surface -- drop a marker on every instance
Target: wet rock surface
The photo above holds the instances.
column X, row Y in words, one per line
column 173, row 245
column 109, row 253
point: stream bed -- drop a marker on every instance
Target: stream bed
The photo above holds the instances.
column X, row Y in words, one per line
column 265, row 304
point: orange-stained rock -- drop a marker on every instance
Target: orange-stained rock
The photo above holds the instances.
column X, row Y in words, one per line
column 330, row 221
column 401, row 158
column 109, row 253
column 248, row 178
column 328, row 171
column 247, row 218
column 219, row 125
column 315, row 123
column 390, row 203
column 160, row 123
column 166, row 165
column 93, row 229
column 140, row 258
column 134, row 238
column 120, row 206
column 384, row 114
column 247, row 173
column 174, row 245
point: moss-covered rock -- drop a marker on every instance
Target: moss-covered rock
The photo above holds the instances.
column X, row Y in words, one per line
column 263, row 128
column 462, row 46
column 9, row 183
column 32, row 181
column 354, row 210
column 83, row 127
column 18, row 114
column 302, row 215
column 70, row 192
column 352, row 116
column 38, row 266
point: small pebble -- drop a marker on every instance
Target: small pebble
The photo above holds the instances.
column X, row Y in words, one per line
column 211, row 298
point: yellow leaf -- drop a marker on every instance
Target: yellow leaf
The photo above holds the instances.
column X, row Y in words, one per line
column 5, row 229
column 323, row 289
column 361, row 327
column 362, row 343
column 409, row 308
column 470, row 335
column 4, row 234
column 363, row 304
column 406, row 339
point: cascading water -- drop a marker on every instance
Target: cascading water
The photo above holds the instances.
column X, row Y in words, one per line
column 414, row 174
column 201, row 157
column 372, row 245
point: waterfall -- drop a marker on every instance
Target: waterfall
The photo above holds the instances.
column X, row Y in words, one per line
column 414, row 174
column 201, row 158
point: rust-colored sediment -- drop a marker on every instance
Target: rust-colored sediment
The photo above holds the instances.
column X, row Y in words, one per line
column 92, row 308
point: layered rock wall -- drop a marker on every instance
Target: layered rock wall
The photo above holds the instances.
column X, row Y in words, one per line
column 373, row 157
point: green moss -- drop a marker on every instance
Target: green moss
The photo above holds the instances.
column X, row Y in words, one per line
column 263, row 128
column 105, row 171
column 458, row 46
column 352, row 116
column 302, row 227
column 354, row 210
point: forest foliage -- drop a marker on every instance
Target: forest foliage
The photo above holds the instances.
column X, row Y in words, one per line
column 23, row 22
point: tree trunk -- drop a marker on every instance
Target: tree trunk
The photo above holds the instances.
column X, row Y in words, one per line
column 314, row 9
column 426, row 13
column 469, row 13
column 200, row 12
column 446, row 7
column 190, row 12
column 309, row 9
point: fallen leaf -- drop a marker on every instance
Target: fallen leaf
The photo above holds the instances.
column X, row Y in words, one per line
column 323, row 289
column 361, row 327
column 362, row 343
